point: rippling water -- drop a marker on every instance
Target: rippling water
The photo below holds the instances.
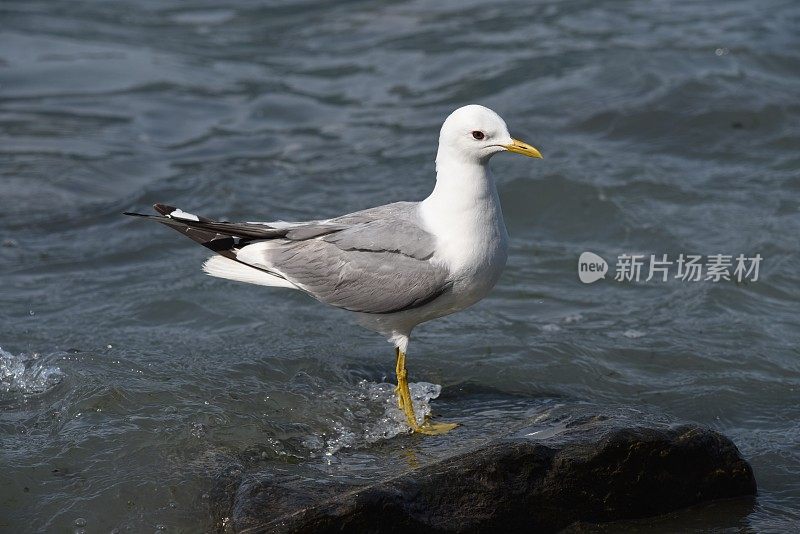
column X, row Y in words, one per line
column 667, row 127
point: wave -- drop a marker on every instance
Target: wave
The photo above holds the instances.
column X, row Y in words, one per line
column 371, row 398
column 26, row 374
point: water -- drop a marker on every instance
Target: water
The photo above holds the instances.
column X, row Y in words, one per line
column 128, row 376
column 24, row 375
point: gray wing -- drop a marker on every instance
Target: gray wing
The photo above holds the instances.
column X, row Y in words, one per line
column 380, row 263
column 372, row 261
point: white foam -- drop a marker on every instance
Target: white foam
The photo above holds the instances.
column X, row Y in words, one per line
column 26, row 374
column 390, row 424
column 633, row 334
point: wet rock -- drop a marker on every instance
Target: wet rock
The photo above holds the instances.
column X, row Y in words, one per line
column 542, row 477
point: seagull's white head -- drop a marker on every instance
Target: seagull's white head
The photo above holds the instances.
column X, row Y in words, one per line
column 473, row 134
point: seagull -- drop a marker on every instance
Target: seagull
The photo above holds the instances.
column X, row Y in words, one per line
column 393, row 266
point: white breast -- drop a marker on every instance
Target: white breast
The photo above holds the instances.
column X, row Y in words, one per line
column 464, row 214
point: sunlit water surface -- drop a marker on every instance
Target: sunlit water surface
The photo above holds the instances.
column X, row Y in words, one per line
column 127, row 376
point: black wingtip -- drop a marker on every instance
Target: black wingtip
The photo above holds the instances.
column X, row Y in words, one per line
column 132, row 214
column 163, row 209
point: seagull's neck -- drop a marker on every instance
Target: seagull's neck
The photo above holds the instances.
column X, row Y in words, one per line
column 463, row 210
column 462, row 187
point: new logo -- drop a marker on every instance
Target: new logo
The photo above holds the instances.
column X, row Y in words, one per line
column 591, row 267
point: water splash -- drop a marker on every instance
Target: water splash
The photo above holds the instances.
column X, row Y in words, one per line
column 372, row 414
column 26, row 374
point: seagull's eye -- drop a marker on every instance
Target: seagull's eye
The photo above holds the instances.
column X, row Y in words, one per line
column 478, row 135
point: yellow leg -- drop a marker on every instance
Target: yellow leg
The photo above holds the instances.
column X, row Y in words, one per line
column 403, row 393
column 405, row 404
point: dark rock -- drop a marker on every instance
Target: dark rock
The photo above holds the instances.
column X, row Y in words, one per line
column 540, row 478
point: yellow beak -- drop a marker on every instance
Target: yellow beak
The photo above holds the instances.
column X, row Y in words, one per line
column 521, row 147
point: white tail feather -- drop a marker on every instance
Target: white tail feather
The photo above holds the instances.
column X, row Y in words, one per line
column 223, row 267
